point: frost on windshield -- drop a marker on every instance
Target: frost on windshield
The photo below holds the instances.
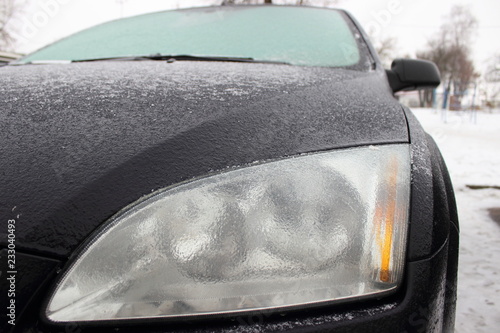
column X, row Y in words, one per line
column 299, row 36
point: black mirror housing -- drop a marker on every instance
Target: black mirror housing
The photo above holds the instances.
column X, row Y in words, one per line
column 412, row 74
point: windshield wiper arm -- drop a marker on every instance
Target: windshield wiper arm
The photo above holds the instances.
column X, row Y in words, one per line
column 182, row 57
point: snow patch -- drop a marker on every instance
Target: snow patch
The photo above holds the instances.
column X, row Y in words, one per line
column 471, row 148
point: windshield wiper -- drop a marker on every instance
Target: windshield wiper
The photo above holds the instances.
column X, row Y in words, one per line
column 182, row 57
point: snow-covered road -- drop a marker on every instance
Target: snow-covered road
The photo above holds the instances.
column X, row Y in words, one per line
column 472, row 153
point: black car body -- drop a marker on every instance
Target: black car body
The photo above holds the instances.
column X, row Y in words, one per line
column 83, row 144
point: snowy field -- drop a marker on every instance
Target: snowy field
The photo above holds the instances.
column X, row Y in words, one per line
column 471, row 149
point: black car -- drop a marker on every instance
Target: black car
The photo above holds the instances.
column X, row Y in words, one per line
column 222, row 169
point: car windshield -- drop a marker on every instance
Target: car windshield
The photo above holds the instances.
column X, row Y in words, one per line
column 295, row 35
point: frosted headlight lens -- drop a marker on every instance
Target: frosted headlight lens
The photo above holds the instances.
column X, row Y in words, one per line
column 319, row 227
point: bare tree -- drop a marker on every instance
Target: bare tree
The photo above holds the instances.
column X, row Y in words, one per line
column 450, row 50
column 492, row 82
column 386, row 49
column 7, row 10
column 492, row 73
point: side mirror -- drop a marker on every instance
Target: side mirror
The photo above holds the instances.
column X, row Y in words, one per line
column 411, row 74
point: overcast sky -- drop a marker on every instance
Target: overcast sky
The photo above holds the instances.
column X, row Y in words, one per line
column 411, row 22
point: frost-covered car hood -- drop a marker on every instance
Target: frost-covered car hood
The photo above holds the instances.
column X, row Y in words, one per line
column 82, row 141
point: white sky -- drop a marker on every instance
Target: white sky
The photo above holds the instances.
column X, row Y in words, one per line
column 411, row 22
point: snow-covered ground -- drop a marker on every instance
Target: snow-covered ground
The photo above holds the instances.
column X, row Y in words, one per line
column 471, row 149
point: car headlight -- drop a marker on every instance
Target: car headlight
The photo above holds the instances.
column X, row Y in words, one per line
column 314, row 228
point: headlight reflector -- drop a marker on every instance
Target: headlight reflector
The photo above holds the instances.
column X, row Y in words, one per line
column 314, row 228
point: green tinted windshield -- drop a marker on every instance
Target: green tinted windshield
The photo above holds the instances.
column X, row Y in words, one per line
column 296, row 35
